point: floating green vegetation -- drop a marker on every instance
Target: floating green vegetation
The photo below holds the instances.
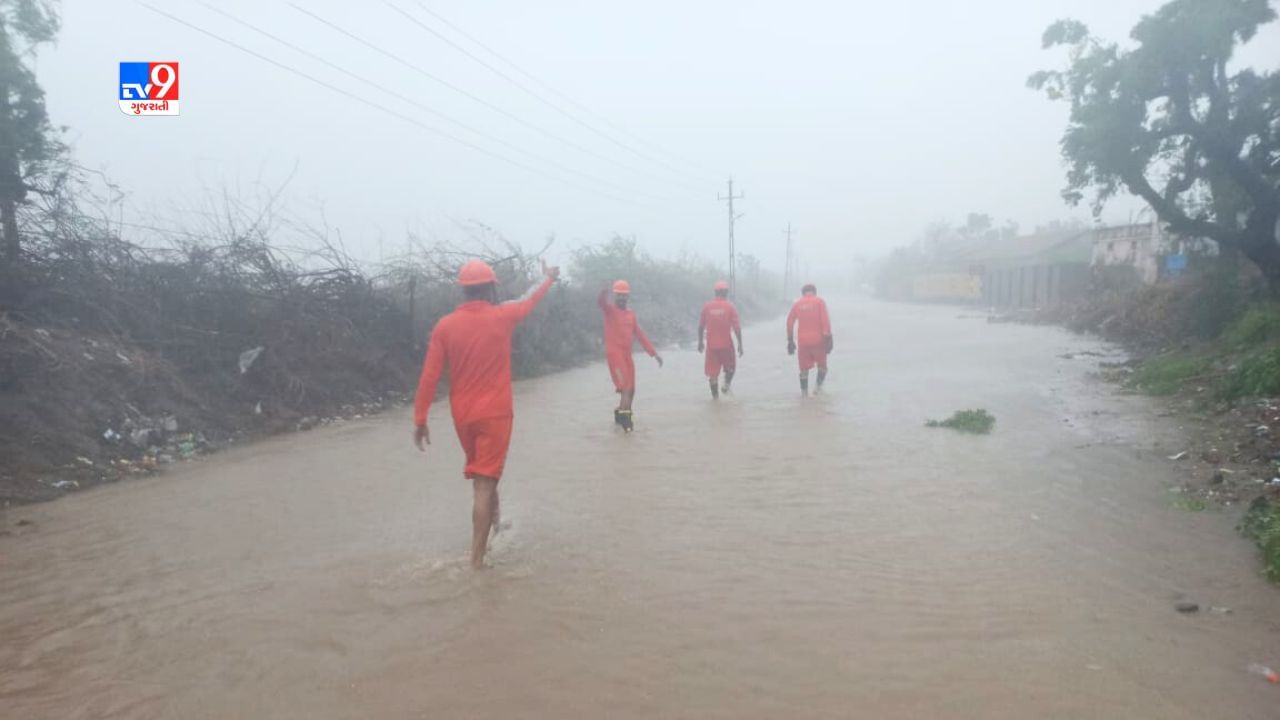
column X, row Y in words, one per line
column 978, row 422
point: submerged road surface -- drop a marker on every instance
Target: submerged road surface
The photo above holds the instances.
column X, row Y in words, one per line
column 762, row 557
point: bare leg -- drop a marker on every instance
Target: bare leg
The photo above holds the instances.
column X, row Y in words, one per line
column 483, row 517
column 627, row 397
column 822, row 377
column 728, row 379
column 497, row 511
column 715, row 387
column 804, row 383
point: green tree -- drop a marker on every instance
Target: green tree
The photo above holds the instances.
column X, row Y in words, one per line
column 1165, row 121
column 28, row 145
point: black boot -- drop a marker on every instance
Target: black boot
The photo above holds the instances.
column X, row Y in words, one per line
column 715, row 389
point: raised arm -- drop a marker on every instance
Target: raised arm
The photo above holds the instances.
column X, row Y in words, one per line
column 603, row 300
column 432, row 368
column 517, row 310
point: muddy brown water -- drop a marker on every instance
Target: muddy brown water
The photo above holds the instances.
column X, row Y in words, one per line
column 758, row 558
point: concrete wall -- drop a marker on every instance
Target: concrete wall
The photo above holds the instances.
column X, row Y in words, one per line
column 1030, row 286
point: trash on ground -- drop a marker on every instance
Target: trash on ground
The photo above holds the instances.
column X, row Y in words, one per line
column 1186, row 606
column 248, row 357
column 66, row 485
column 1179, row 456
column 1266, row 672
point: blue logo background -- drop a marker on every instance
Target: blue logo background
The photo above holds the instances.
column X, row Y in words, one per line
column 134, row 72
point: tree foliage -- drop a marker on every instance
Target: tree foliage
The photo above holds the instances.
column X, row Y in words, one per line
column 1167, row 121
column 28, row 143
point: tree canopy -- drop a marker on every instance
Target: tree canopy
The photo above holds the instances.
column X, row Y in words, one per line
column 1167, row 121
column 28, row 144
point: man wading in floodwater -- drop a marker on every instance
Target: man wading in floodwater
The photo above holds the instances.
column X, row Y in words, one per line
column 815, row 340
column 474, row 341
column 719, row 317
column 621, row 330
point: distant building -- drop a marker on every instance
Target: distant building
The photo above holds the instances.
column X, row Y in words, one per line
column 1145, row 252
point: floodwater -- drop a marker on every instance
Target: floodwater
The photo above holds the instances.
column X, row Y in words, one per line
column 762, row 557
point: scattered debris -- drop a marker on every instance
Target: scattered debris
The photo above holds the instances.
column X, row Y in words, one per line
column 1266, row 672
column 248, row 357
column 1179, row 456
column 84, row 461
column 66, row 485
column 1218, row 610
column 1186, row 606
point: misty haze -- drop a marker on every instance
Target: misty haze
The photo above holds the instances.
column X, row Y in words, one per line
column 411, row 359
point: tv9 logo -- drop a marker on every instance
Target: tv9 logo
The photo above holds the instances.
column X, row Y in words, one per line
column 149, row 88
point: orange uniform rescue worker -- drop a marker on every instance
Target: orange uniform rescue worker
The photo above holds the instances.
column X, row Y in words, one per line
column 474, row 342
column 719, row 318
column 814, row 341
column 621, row 330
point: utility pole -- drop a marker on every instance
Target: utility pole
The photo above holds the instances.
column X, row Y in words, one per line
column 733, row 254
column 786, row 273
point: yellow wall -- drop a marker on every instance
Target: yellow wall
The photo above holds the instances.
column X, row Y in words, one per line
column 947, row 286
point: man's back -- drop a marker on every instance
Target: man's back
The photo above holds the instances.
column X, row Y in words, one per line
column 720, row 318
column 476, row 340
column 810, row 313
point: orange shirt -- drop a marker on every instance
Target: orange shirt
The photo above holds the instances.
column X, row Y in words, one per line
column 719, row 317
column 474, row 341
column 621, row 328
column 810, row 311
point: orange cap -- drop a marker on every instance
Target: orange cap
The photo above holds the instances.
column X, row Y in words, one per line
column 622, row 287
column 722, row 284
column 476, row 272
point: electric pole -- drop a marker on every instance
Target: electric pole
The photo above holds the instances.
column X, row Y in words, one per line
column 733, row 255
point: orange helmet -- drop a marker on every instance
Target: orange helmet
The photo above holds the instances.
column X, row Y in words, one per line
column 476, row 272
column 622, row 287
column 722, row 285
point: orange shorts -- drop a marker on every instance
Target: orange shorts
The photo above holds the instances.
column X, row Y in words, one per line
column 485, row 442
column 811, row 355
column 720, row 358
column 622, row 368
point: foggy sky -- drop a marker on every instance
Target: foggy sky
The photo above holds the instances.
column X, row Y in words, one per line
column 859, row 123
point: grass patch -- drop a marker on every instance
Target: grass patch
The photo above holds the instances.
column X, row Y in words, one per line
column 1259, row 324
column 1256, row 375
column 1189, row 504
column 1262, row 525
column 1166, row 374
column 978, row 422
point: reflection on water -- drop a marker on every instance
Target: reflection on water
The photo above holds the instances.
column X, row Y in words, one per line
column 758, row 557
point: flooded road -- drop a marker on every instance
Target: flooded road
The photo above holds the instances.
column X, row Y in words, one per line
column 758, row 558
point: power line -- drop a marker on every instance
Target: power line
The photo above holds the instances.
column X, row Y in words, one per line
column 462, row 91
column 375, row 105
column 411, row 101
column 531, row 92
column 552, row 90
